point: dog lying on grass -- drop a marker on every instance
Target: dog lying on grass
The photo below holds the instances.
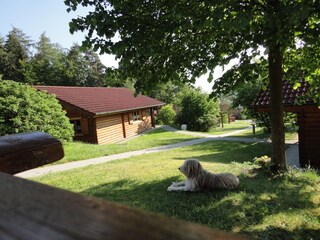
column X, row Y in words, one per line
column 199, row 179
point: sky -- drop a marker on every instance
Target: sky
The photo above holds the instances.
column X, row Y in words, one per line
column 35, row 17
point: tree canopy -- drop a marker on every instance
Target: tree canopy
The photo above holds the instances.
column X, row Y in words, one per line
column 14, row 50
column 161, row 40
column 47, row 63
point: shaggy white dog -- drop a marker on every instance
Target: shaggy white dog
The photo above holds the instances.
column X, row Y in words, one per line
column 199, row 179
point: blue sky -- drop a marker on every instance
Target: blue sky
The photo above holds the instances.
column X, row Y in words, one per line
column 34, row 17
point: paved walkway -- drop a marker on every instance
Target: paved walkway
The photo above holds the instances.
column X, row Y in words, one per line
column 83, row 163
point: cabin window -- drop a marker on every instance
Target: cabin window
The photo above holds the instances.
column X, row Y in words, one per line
column 76, row 126
column 135, row 116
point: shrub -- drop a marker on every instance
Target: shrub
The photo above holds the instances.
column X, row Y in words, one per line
column 263, row 161
column 166, row 115
column 263, row 120
column 198, row 111
column 24, row 109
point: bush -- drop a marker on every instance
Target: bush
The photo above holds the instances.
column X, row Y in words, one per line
column 198, row 111
column 24, row 109
column 263, row 161
column 263, row 120
column 166, row 115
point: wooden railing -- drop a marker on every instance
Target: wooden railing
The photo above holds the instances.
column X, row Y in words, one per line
column 30, row 210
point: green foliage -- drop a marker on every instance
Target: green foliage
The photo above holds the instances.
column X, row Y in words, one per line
column 166, row 115
column 263, row 161
column 183, row 40
column 50, row 64
column 113, row 79
column 167, row 92
column 95, row 69
column 263, row 120
column 47, row 66
column 13, row 52
column 302, row 62
column 245, row 94
column 225, row 118
column 25, row 109
column 197, row 110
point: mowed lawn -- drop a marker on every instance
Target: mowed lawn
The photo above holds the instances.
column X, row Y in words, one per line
column 229, row 127
column 265, row 206
column 75, row 151
column 290, row 134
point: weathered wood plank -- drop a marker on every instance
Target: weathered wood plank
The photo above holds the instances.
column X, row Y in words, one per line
column 30, row 210
column 24, row 151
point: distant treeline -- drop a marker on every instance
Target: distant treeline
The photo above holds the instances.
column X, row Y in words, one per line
column 47, row 63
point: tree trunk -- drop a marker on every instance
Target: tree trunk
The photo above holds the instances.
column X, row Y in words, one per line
column 275, row 60
column 221, row 119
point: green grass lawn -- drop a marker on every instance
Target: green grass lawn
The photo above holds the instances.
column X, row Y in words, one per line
column 290, row 134
column 79, row 151
column 265, row 206
column 75, row 151
column 260, row 134
column 229, row 127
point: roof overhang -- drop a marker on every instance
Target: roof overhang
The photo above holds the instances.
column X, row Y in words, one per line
column 100, row 114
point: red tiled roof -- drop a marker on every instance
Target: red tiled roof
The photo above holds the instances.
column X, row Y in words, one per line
column 101, row 100
column 290, row 96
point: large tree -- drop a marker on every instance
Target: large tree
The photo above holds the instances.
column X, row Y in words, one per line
column 84, row 68
column 96, row 70
column 14, row 51
column 161, row 40
column 76, row 67
column 47, row 66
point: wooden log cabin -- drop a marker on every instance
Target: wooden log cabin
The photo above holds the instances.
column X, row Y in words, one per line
column 308, row 120
column 105, row 115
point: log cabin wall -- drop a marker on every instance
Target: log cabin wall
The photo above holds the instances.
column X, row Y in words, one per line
column 138, row 126
column 109, row 129
column 114, row 128
column 309, row 136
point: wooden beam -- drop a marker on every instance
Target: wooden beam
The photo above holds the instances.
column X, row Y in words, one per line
column 123, row 126
column 153, row 124
column 24, row 151
column 30, row 210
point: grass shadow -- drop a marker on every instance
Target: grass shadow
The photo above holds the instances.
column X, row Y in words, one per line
column 227, row 152
column 246, row 210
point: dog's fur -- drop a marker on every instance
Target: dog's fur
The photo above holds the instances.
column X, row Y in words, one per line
column 199, row 179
